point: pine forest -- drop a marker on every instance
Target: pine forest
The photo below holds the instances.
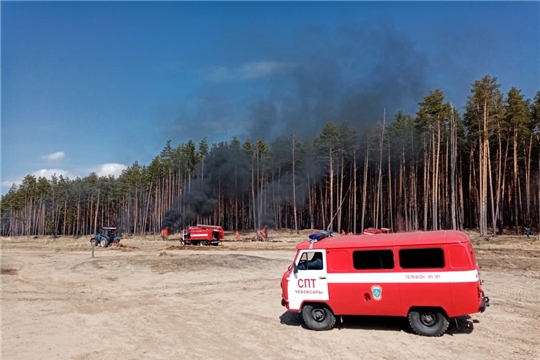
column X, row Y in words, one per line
column 440, row 168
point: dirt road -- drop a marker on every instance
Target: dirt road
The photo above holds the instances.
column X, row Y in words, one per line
column 153, row 301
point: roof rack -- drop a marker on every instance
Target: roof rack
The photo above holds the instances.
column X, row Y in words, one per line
column 373, row 231
column 319, row 236
column 210, row 226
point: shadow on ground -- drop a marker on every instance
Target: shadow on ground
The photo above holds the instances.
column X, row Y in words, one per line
column 460, row 325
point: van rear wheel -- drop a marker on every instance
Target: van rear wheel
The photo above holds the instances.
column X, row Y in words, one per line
column 428, row 321
column 318, row 317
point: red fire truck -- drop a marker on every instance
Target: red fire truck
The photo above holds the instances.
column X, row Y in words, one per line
column 202, row 235
column 429, row 277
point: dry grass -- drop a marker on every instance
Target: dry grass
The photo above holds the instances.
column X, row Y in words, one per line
column 278, row 240
column 60, row 243
column 122, row 247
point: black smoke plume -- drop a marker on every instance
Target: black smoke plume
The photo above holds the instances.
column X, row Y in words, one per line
column 226, row 168
column 172, row 216
column 196, row 200
column 314, row 75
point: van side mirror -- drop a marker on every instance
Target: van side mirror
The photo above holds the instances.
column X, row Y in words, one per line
column 295, row 268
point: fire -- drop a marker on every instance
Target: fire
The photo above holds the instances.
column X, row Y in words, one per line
column 261, row 234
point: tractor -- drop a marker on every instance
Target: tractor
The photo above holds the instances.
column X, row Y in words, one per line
column 105, row 237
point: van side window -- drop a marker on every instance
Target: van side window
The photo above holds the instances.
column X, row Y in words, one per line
column 421, row 258
column 311, row 261
column 373, row 259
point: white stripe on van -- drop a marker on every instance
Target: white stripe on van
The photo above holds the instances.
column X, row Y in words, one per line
column 404, row 277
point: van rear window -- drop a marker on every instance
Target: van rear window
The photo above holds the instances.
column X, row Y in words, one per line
column 373, row 259
column 421, row 258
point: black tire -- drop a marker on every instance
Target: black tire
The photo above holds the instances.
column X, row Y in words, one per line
column 318, row 317
column 428, row 322
column 104, row 243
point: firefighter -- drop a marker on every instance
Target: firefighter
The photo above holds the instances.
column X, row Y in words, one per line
column 165, row 233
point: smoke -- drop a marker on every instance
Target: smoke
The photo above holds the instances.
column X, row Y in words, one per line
column 348, row 75
column 267, row 220
column 171, row 218
column 228, row 169
column 196, row 200
column 280, row 86
column 316, row 74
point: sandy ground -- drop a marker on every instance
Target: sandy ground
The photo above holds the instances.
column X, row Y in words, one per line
column 155, row 300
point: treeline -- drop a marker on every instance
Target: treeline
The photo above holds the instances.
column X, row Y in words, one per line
column 436, row 169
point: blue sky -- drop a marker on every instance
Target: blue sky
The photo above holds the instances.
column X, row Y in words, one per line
column 95, row 86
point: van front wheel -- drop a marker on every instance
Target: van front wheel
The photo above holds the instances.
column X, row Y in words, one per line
column 428, row 322
column 318, row 317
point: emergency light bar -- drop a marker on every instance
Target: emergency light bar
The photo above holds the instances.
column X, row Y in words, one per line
column 319, row 236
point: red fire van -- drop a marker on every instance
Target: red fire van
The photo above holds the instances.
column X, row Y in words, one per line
column 429, row 277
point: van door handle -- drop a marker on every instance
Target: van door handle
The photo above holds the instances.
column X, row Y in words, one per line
column 322, row 277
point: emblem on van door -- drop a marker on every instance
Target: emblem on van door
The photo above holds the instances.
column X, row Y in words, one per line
column 376, row 291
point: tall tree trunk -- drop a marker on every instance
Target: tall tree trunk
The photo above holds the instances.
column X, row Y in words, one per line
column 331, row 160
column 435, row 187
column 516, row 182
column 453, row 156
column 253, row 197
column 493, row 218
column 483, row 165
column 77, row 224
column 294, row 186
column 426, row 185
column 145, row 221
column 379, row 176
column 339, row 211
column 390, row 205
column 528, row 217
column 97, row 211
column 355, row 192
column 364, row 188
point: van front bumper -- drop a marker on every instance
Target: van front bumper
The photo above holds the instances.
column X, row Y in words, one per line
column 484, row 304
